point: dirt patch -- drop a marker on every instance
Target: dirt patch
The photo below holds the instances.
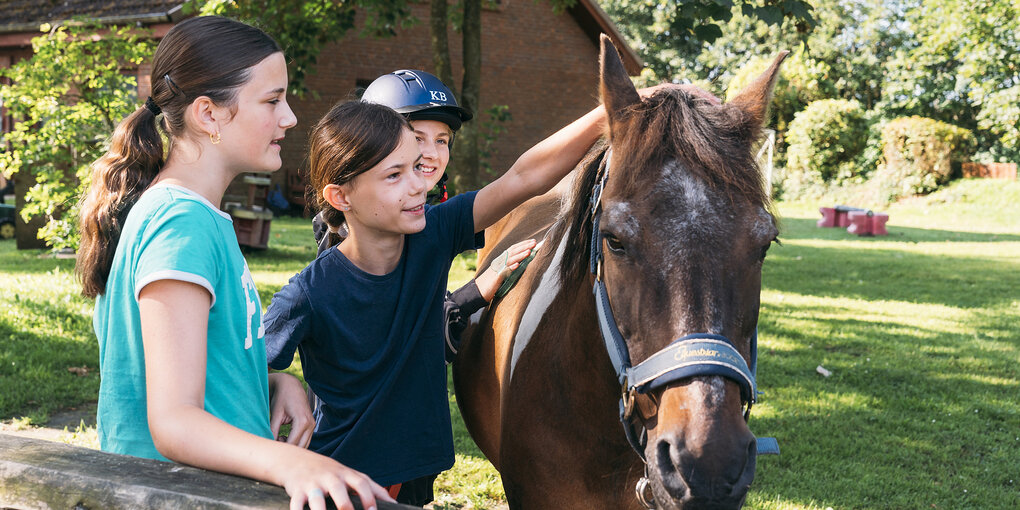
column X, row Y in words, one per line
column 54, row 430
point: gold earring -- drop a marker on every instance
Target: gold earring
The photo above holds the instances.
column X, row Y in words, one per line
column 215, row 138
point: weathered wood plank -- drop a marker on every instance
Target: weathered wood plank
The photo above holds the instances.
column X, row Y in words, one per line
column 36, row 474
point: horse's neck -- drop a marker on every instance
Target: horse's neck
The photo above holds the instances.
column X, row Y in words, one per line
column 556, row 305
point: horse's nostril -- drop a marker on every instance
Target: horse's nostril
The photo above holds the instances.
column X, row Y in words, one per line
column 667, row 463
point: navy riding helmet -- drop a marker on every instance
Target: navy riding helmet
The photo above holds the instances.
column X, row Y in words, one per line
column 418, row 95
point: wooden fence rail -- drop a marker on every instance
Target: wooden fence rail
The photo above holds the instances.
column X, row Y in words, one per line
column 37, row 474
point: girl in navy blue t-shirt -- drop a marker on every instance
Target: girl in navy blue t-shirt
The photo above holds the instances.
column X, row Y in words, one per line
column 367, row 317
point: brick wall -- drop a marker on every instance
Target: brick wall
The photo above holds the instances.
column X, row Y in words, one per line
column 543, row 65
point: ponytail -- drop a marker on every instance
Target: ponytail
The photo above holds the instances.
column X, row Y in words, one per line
column 119, row 177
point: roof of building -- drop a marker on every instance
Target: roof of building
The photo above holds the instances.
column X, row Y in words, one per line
column 27, row 15
column 21, row 15
column 594, row 20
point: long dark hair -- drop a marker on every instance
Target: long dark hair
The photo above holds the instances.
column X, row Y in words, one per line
column 204, row 56
column 348, row 141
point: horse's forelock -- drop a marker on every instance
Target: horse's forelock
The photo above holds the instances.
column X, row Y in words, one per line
column 715, row 142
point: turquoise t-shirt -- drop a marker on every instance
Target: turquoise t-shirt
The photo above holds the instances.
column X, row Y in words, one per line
column 173, row 233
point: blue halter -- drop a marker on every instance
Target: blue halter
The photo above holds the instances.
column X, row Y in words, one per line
column 699, row 354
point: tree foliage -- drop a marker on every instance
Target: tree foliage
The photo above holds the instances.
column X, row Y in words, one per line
column 65, row 101
column 962, row 66
column 304, row 27
column 668, row 34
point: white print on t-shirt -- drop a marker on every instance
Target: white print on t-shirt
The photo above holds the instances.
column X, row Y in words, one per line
column 251, row 297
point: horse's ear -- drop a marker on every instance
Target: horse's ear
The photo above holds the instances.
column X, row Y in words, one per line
column 755, row 98
column 618, row 92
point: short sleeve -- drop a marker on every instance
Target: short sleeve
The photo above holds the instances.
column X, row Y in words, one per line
column 288, row 320
column 183, row 244
column 457, row 218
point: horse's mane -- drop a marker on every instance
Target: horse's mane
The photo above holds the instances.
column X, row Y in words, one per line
column 714, row 142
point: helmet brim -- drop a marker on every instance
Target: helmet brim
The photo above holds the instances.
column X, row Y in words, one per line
column 448, row 115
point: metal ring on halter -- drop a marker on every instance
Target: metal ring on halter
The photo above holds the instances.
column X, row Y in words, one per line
column 643, row 489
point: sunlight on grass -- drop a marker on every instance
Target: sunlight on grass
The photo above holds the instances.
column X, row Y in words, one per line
column 472, row 483
column 920, row 331
column 82, row 435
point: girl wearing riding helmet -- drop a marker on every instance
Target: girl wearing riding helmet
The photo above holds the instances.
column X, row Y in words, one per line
column 177, row 313
column 367, row 316
column 435, row 116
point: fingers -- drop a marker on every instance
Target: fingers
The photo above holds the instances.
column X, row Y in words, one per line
column 275, row 421
column 343, row 502
column 703, row 94
column 509, row 259
column 517, row 254
column 314, row 497
column 361, row 486
column 302, row 439
column 301, row 429
column 277, row 416
column 649, row 91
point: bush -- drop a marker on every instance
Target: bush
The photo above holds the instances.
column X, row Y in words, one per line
column 801, row 81
column 64, row 101
column 826, row 141
column 920, row 155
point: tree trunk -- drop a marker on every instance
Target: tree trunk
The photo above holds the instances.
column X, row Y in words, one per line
column 438, row 20
column 466, row 158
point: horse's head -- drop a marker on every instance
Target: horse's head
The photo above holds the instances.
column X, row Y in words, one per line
column 684, row 226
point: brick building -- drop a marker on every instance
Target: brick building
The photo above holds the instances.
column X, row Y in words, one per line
column 542, row 65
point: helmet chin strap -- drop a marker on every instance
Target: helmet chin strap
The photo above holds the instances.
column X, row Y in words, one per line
column 440, row 194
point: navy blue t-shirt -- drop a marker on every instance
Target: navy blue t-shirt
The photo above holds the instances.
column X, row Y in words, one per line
column 372, row 350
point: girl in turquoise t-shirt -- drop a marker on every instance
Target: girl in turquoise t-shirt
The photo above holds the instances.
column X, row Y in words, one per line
column 177, row 316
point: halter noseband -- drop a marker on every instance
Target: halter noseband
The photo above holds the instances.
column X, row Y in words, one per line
column 698, row 354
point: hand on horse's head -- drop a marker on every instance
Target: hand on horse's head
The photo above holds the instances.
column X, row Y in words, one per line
column 686, row 87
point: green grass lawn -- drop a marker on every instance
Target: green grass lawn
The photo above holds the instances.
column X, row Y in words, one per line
column 919, row 329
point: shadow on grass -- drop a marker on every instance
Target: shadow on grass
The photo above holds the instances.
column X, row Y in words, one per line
column 802, row 228
column 911, row 416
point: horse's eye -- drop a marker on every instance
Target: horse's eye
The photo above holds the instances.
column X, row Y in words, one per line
column 765, row 249
column 613, row 243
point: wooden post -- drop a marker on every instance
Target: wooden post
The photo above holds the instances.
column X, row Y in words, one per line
column 37, row 474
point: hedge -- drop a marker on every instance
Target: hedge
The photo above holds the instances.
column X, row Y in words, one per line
column 921, row 154
column 825, row 141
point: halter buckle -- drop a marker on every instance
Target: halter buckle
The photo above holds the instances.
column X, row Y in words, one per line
column 628, row 402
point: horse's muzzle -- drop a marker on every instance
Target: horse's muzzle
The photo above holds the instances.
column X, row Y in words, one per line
column 706, row 462
column 682, row 479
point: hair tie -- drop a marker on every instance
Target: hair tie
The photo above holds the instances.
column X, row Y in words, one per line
column 152, row 107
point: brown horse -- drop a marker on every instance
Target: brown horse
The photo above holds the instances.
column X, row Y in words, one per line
column 680, row 224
